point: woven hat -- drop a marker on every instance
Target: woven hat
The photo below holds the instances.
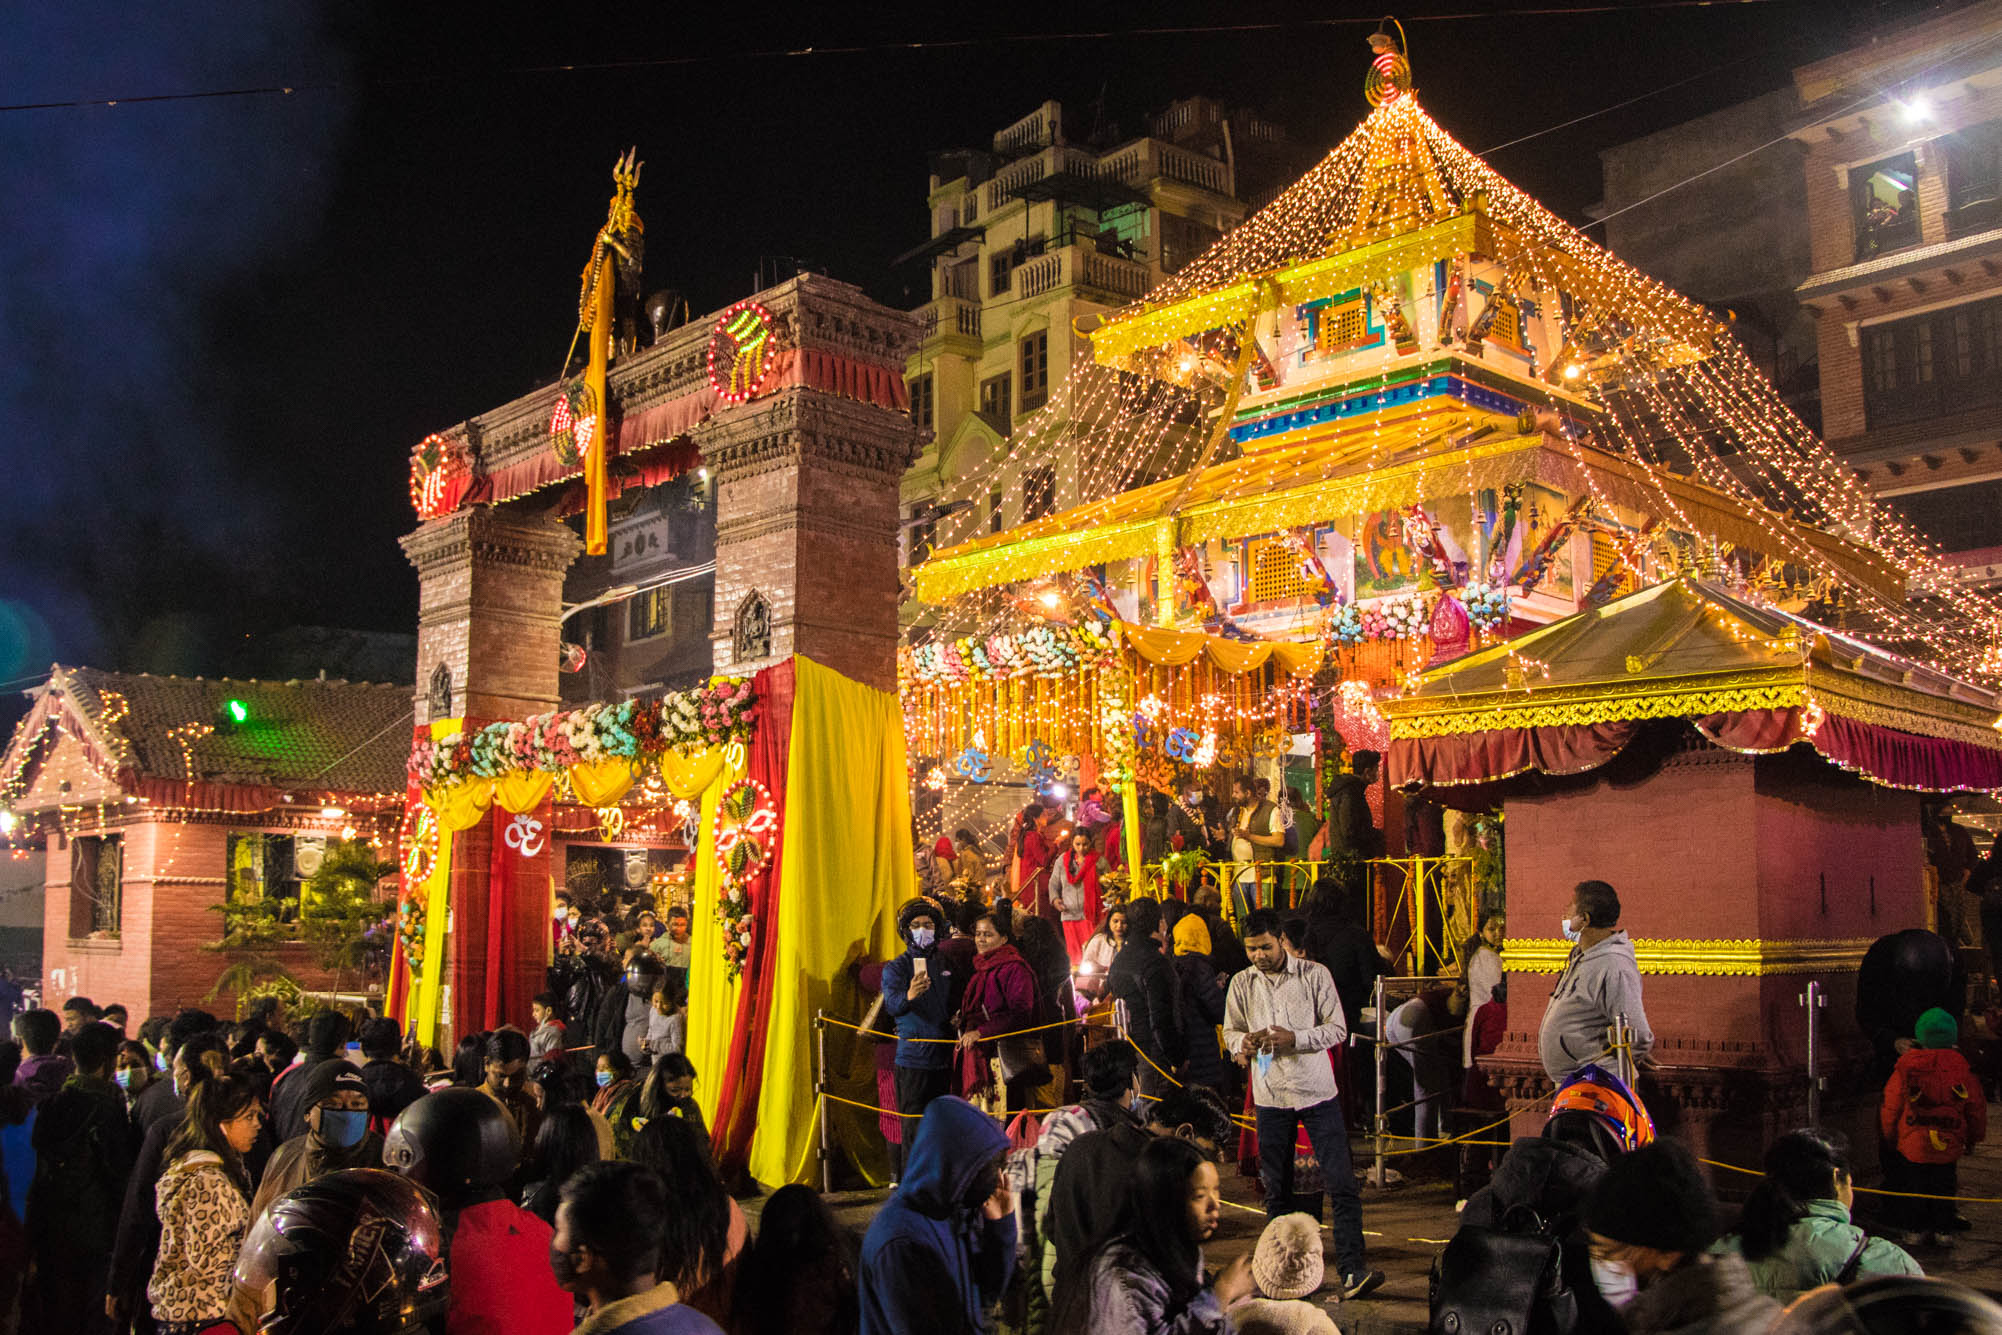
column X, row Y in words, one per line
column 1192, row 935
column 1287, row 1262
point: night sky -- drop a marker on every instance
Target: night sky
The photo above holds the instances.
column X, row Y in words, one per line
column 226, row 320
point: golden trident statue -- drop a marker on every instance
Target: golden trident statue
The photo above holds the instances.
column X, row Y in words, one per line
column 619, row 242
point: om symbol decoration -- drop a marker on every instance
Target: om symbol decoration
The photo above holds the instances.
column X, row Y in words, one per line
column 524, row 835
column 973, row 764
column 1036, row 758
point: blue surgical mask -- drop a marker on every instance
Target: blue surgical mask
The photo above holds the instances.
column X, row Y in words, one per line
column 604, row 1079
column 123, row 1075
column 1571, row 933
column 160, row 1062
column 343, row 1127
column 922, row 937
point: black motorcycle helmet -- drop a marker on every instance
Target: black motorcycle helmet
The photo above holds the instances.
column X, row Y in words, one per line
column 1891, row 1305
column 645, row 975
column 357, row 1252
column 453, row 1142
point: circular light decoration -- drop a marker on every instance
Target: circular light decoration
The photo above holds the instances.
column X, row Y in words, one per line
column 573, row 423
column 419, row 840
column 439, row 471
column 741, row 834
column 741, row 349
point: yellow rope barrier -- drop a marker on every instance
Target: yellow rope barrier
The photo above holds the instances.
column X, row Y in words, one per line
column 1871, row 1191
column 984, row 1038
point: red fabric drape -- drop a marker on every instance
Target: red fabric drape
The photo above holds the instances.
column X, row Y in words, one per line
column 737, row 1107
column 1497, row 753
column 517, row 915
column 1882, row 755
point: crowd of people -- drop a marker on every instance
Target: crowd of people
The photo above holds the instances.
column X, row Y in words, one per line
column 1066, row 1078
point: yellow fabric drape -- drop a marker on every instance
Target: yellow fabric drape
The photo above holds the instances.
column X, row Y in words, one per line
column 1178, row 648
column 712, row 994
column 688, row 775
column 461, row 806
column 425, row 997
column 599, row 783
column 522, row 790
column 846, row 867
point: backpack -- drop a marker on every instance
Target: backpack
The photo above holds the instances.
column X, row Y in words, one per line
column 1503, row 1281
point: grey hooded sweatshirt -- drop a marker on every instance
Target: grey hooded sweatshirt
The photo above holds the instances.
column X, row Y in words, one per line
column 1599, row 982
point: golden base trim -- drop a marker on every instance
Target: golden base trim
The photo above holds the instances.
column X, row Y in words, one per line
column 1712, row 958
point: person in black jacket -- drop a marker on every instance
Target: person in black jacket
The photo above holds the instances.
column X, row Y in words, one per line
column 1226, row 951
column 83, row 1152
column 1339, row 943
column 326, row 1040
column 1142, row 978
column 392, row 1086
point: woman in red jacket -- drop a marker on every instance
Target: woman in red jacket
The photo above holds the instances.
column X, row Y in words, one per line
column 1000, row 999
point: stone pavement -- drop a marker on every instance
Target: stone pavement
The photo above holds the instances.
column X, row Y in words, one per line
column 1406, row 1225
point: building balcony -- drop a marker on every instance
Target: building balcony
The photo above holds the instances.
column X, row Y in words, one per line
column 1097, row 276
column 950, row 321
column 1135, row 167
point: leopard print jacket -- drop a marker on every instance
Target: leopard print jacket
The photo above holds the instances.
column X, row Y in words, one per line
column 203, row 1217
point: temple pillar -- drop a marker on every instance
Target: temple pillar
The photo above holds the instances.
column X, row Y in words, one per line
column 489, row 622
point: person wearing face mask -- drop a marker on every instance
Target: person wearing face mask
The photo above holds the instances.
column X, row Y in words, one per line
column 1653, row 1217
column 1600, row 983
column 918, row 990
column 132, row 1073
column 337, row 1135
column 942, row 1249
column 337, row 1138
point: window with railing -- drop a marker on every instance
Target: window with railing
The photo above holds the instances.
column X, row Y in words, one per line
column 1942, row 362
column 1974, row 179
column 1000, row 273
column 1884, row 202
column 922, row 403
column 1035, row 363
column 97, row 885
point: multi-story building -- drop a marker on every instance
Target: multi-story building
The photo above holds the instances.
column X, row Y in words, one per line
column 1850, row 225
column 1043, row 227
column 1903, row 166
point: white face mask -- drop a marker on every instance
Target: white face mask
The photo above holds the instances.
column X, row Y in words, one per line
column 1571, row 933
column 1615, row 1281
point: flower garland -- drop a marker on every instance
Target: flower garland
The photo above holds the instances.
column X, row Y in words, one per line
column 1048, row 652
column 1405, row 616
column 410, row 930
column 711, row 715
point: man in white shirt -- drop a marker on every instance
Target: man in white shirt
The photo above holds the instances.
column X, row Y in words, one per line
column 1281, row 1017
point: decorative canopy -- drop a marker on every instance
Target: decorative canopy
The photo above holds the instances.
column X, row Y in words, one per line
column 1569, row 696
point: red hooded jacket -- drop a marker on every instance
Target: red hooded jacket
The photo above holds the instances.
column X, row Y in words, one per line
column 1934, row 1109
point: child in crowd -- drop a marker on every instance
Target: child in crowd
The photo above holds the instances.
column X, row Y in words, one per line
column 1933, row 1113
column 667, row 1027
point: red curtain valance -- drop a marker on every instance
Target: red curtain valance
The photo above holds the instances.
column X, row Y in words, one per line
column 1882, row 755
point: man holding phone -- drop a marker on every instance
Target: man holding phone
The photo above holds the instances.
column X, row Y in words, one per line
column 1281, row 1016
column 918, row 994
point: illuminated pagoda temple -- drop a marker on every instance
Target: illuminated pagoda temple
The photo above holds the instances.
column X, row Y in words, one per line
column 1400, row 411
column 1404, row 413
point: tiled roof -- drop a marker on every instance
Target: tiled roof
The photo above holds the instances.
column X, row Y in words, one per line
column 339, row 736
column 1904, row 263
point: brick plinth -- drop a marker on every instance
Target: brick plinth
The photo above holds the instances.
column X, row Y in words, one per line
column 1713, row 846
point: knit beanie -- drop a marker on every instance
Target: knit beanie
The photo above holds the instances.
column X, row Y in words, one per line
column 1936, row 1029
column 1192, row 935
column 1654, row 1197
column 1287, row 1261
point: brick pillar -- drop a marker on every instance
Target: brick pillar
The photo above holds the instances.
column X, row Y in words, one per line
column 489, row 608
column 489, row 614
column 806, row 532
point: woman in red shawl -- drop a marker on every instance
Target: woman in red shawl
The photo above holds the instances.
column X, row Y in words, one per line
column 1074, row 888
column 1001, row 999
column 1034, row 852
